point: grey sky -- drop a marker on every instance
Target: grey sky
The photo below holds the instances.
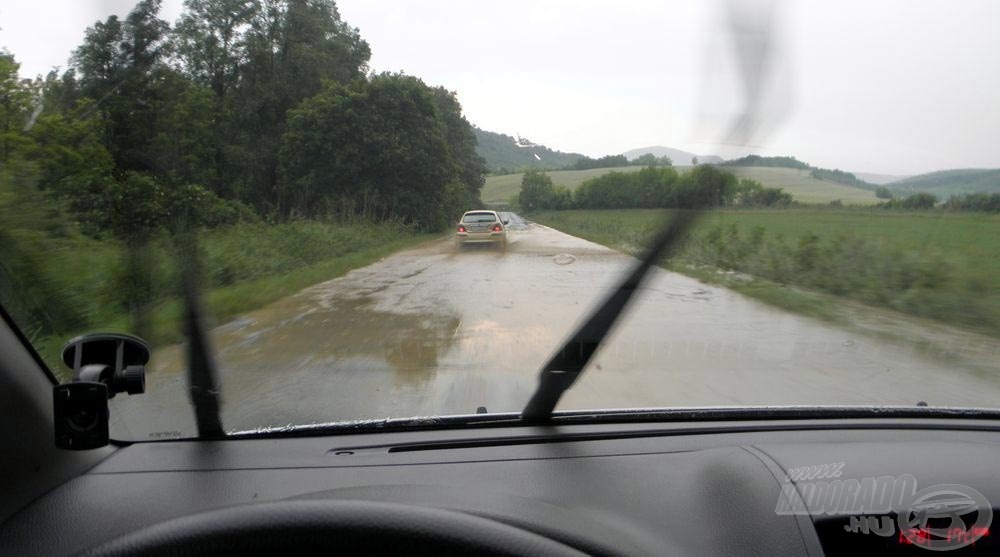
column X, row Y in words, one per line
column 897, row 86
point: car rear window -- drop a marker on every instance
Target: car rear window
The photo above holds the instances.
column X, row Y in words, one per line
column 479, row 217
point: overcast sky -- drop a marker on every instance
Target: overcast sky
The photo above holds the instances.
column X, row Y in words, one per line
column 896, row 87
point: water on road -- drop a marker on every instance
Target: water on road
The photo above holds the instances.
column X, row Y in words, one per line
column 436, row 330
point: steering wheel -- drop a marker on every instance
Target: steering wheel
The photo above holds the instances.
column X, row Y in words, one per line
column 310, row 526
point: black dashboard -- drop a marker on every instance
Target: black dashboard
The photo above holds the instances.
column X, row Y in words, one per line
column 638, row 489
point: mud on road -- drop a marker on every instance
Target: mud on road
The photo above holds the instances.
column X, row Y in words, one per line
column 439, row 330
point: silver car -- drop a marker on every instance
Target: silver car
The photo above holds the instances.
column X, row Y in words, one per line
column 481, row 226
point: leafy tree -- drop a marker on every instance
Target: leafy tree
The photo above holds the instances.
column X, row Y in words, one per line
column 883, row 193
column 750, row 193
column 920, row 201
column 374, row 148
column 469, row 166
column 16, row 108
column 537, row 191
column 292, row 46
column 647, row 159
column 118, row 65
column 210, row 38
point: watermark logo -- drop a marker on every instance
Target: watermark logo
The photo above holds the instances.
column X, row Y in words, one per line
column 938, row 518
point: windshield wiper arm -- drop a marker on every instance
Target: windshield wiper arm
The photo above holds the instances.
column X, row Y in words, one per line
column 568, row 363
column 201, row 365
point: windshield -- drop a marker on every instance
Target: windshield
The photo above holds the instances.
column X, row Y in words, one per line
column 479, row 217
column 293, row 177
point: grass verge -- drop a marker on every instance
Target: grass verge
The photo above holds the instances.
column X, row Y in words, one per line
column 244, row 267
column 943, row 267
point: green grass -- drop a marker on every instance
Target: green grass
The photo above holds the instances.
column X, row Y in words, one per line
column 803, row 187
column 943, row 266
column 244, row 267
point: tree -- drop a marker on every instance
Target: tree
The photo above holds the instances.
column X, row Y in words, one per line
column 920, row 201
column 376, row 149
column 211, row 42
column 210, row 38
column 647, row 159
column 694, row 161
column 16, row 107
column 883, row 192
column 292, row 47
column 537, row 191
column 469, row 166
column 117, row 65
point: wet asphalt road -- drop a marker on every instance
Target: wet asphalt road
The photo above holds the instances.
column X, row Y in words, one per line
column 437, row 330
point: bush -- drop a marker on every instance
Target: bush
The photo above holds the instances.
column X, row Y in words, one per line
column 985, row 202
column 916, row 202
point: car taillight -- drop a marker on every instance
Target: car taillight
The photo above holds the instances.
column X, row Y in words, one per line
column 496, row 228
column 461, row 228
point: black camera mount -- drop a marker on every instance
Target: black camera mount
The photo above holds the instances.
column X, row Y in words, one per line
column 103, row 364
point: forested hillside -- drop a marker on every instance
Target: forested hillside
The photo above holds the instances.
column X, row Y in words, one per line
column 504, row 153
column 945, row 183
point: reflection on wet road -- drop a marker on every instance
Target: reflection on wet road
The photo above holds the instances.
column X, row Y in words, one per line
column 435, row 330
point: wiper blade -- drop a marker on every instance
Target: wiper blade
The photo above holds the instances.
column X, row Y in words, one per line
column 568, row 363
column 201, row 366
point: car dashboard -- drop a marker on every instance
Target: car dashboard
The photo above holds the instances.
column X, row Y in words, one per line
column 694, row 488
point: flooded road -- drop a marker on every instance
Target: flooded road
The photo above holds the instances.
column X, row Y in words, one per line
column 437, row 330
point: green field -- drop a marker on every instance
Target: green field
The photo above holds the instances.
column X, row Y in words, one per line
column 944, row 266
column 803, row 187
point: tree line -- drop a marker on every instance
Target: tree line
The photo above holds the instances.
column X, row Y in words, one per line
column 757, row 160
column 242, row 110
column 650, row 187
column 607, row 161
column 972, row 202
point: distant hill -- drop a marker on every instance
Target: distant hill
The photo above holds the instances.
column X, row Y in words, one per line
column 503, row 152
column 944, row 183
column 679, row 158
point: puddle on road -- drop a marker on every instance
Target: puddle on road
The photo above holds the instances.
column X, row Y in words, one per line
column 294, row 362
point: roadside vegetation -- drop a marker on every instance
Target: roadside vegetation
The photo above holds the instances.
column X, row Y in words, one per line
column 930, row 264
column 58, row 287
column 651, row 187
column 256, row 127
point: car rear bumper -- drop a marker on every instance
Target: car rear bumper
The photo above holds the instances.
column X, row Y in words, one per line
column 480, row 237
